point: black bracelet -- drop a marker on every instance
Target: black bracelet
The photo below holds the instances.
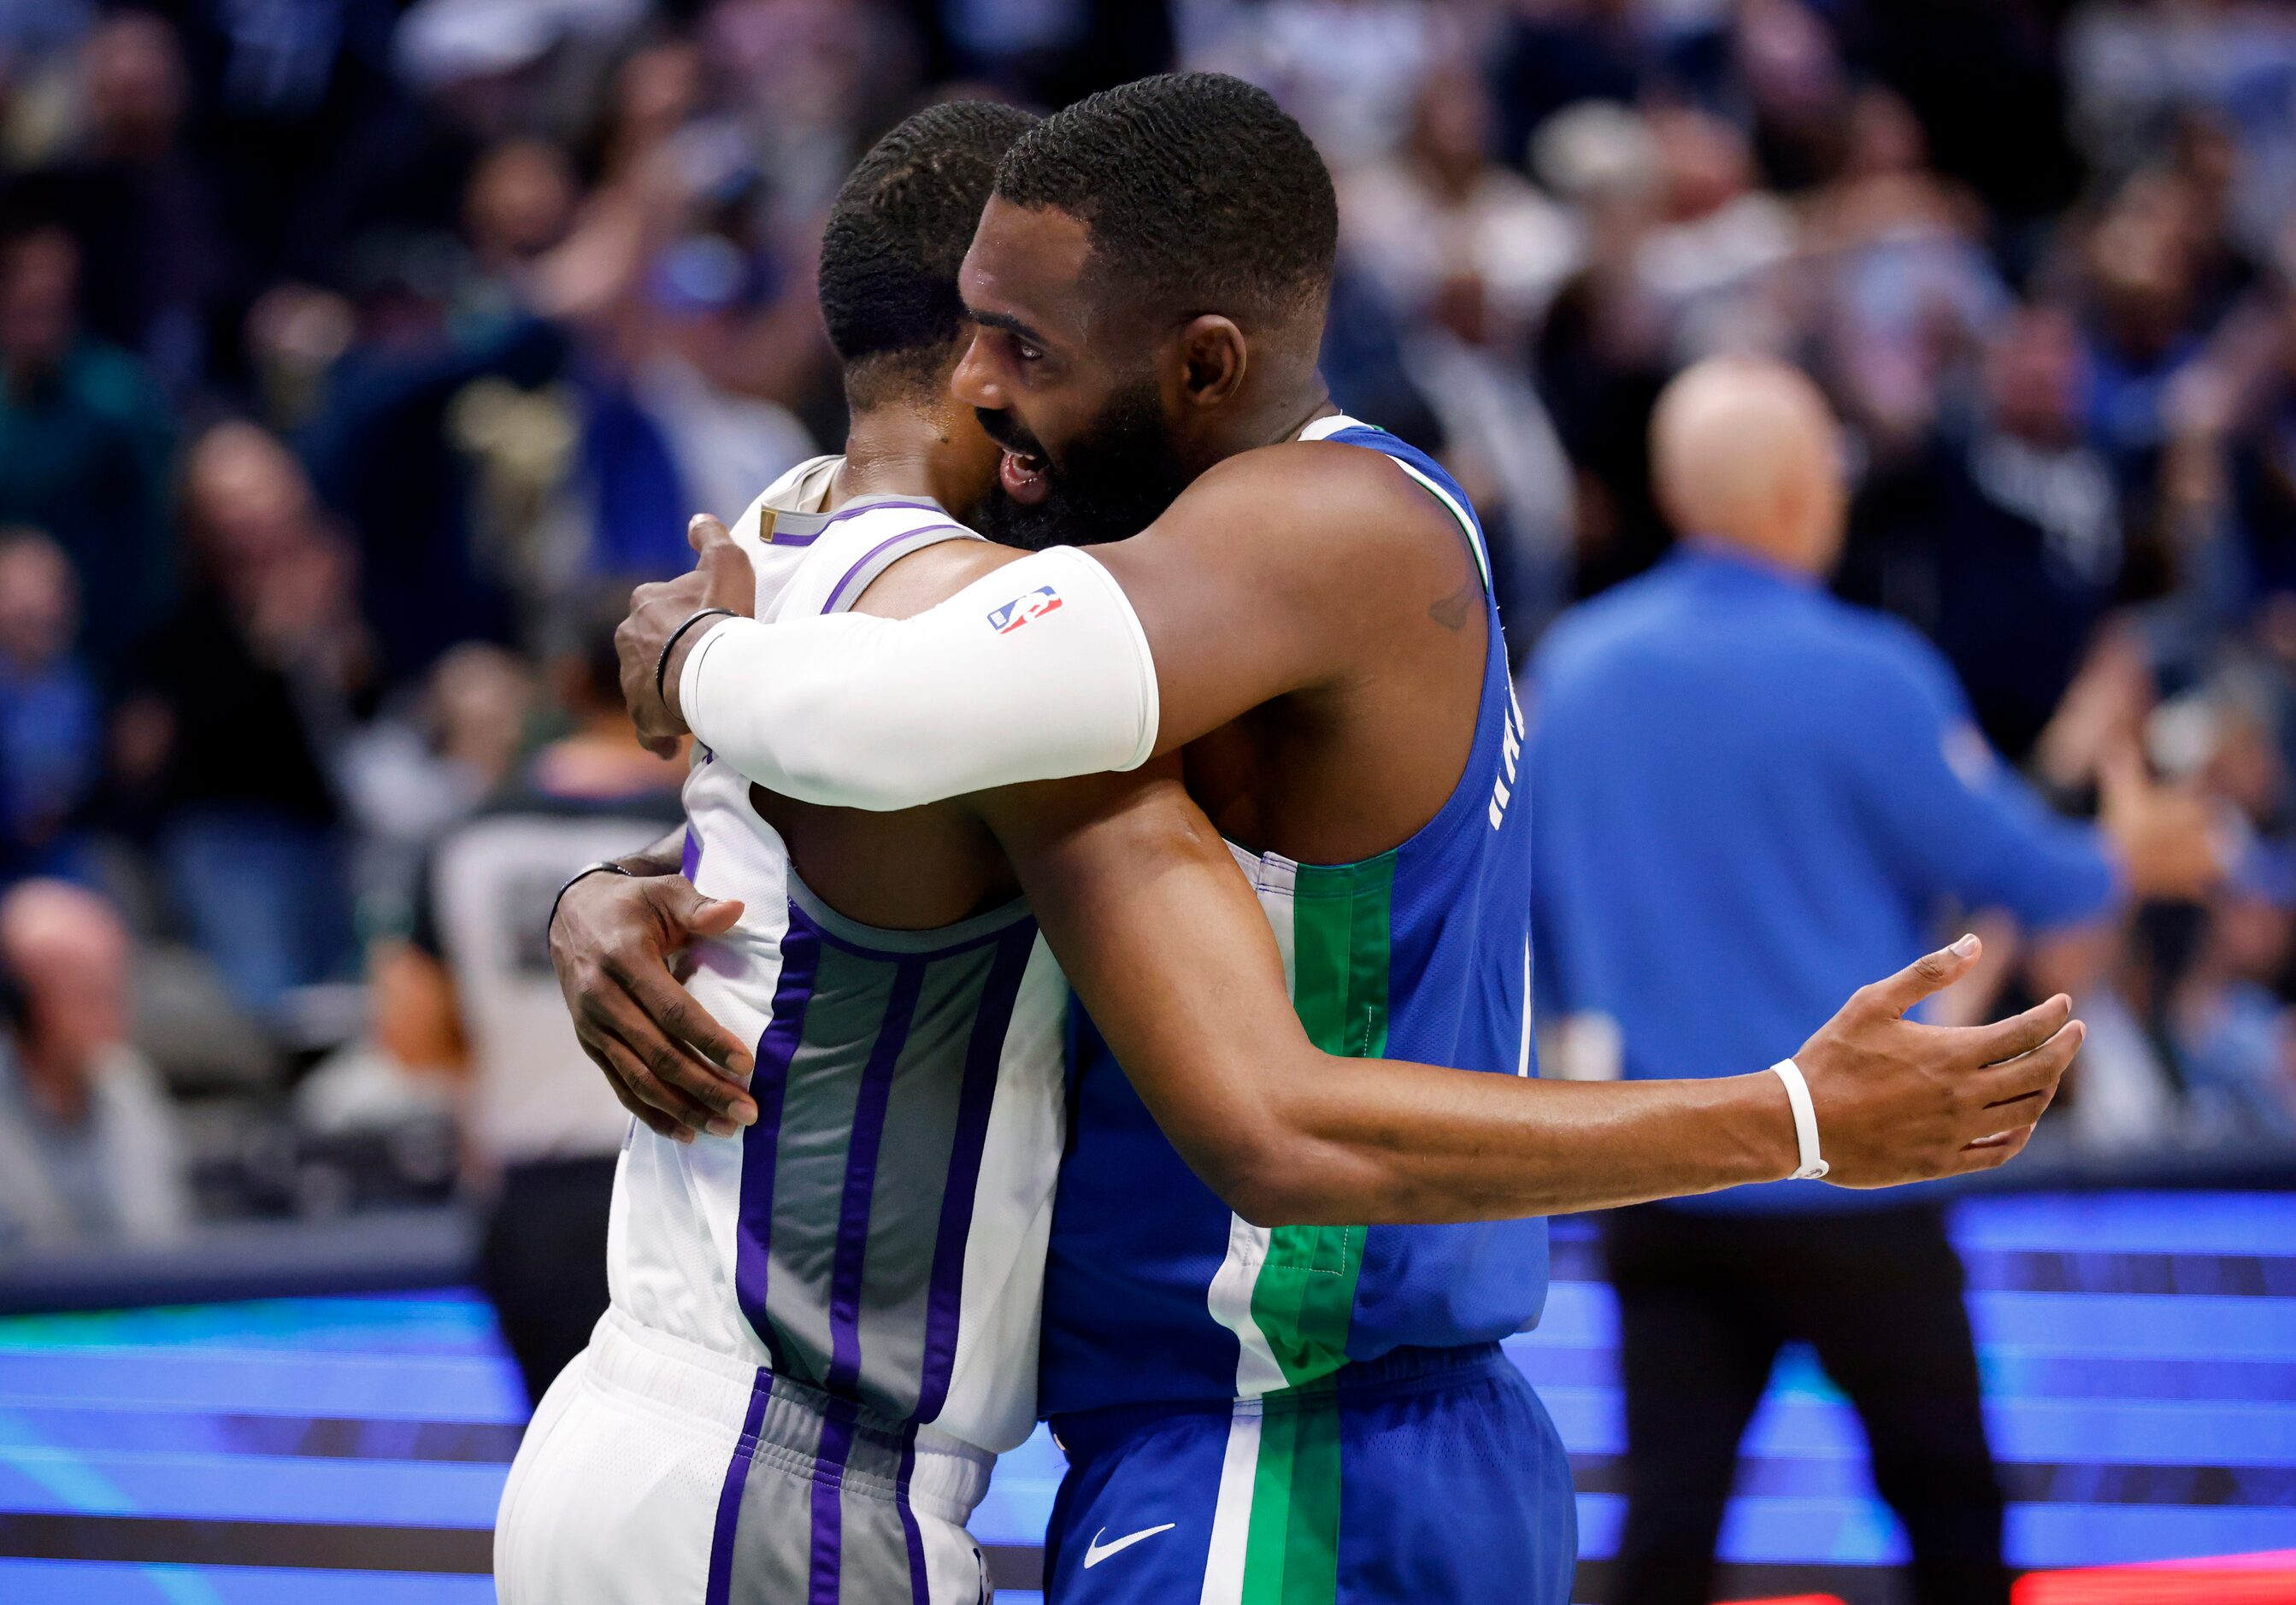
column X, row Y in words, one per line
column 604, row 866
column 661, row 664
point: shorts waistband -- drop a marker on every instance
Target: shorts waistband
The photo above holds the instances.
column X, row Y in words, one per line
column 1398, row 1371
column 795, row 1422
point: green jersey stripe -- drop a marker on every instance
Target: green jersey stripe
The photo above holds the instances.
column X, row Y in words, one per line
column 1303, row 1297
column 1292, row 1521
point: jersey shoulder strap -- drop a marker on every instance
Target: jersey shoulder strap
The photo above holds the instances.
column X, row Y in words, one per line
column 1430, row 475
column 808, row 561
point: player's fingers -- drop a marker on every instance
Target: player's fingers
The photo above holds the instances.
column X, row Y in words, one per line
column 704, row 532
column 636, row 1069
column 2033, row 1072
column 1931, row 973
column 680, row 1020
column 686, row 912
column 652, row 1119
column 621, row 1013
column 1990, row 1153
column 2021, row 1034
column 715, row 916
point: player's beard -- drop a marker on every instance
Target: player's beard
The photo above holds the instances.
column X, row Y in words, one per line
column 1114, row 480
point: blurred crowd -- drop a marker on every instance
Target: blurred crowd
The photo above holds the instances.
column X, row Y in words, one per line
column 352, row 350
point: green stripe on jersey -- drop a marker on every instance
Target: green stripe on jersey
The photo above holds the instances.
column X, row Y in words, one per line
column 1292, row 1554
column 1275, row 1522
column 1303, row 1298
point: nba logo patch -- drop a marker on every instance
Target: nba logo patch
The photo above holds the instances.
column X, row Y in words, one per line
column 1018, row 611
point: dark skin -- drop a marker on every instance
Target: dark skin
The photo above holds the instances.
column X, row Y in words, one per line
column 1320, row 677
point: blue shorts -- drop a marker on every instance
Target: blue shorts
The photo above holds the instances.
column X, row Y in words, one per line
column 1429, row 1477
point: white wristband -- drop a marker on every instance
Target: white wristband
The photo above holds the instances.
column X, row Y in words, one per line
column 1805, row 1120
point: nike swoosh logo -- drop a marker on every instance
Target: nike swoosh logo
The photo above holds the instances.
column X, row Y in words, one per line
column 1096, row 1551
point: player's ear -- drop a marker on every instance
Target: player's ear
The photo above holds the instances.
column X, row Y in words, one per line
column 1213, row 349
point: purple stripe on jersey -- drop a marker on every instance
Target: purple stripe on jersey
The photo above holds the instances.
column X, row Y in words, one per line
column 838, row 593
column 689, row 856
column 729, row 1497
column 779, row 539
column 861, row 1179
column 753, row 1227
column 920, row 1581
column 828, row 1502
column 945, row 1300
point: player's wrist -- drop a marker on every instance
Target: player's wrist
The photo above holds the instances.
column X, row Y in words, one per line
column 603, row 866
column 669, row 672
column 1761, row 1120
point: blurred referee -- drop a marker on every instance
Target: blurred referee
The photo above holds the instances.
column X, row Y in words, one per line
column 1748, row 796
column 542, row 1130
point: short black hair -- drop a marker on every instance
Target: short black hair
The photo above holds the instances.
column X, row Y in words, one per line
column 1188, row 182
column 899, row 231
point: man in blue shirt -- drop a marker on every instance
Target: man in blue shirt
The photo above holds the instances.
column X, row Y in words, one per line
column 1748, row 795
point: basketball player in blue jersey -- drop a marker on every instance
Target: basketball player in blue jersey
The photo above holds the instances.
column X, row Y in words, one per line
column 1254, row 1409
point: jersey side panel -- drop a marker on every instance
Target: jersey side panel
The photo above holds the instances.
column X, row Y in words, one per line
column 878, row 1233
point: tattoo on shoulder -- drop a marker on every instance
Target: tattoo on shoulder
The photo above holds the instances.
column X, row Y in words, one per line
column 1454, row 610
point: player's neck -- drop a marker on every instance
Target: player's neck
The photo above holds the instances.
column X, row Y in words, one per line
column 1270, row 421
column 897, row 451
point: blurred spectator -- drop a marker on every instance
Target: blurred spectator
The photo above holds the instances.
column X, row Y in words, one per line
column 2133, row 68
column 2232, row 1033
column 1604, row 349
column 88, row 1148
column 419, row 768
column 1711, row 260
column 51, row 728
column 1982, row 76
column 1471, row 253
column 132, row 180
column 384, row 458
column 1898, row 270
column 1557, row 54
column 84, row 444
column 1797, row 92
column 2142, row 283
column 2003, row 543
column 805, row 77
column 690, row 352
column 474, row 993
column 237, row 705
column 1442, row 210
column 1348, row 70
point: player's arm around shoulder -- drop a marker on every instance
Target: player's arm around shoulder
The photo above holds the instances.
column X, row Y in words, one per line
column 1294, row 568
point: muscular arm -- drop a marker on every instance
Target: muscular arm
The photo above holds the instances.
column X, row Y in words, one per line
column 1163, row 941
column 1287, row 569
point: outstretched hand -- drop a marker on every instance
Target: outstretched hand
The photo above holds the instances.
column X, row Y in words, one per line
column 1897, row 1101
column 721, row 577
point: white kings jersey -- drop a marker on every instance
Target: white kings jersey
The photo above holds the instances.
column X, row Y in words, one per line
column 879, row 1234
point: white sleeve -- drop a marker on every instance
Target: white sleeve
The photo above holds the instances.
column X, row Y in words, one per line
column 1036, row 671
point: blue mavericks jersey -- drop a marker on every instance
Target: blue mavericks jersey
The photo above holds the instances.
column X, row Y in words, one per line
column 1155, row 1291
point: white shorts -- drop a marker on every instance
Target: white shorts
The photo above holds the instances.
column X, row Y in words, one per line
column 658, row 1473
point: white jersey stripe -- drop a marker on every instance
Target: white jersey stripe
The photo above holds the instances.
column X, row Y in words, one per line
column 1232, row 1511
